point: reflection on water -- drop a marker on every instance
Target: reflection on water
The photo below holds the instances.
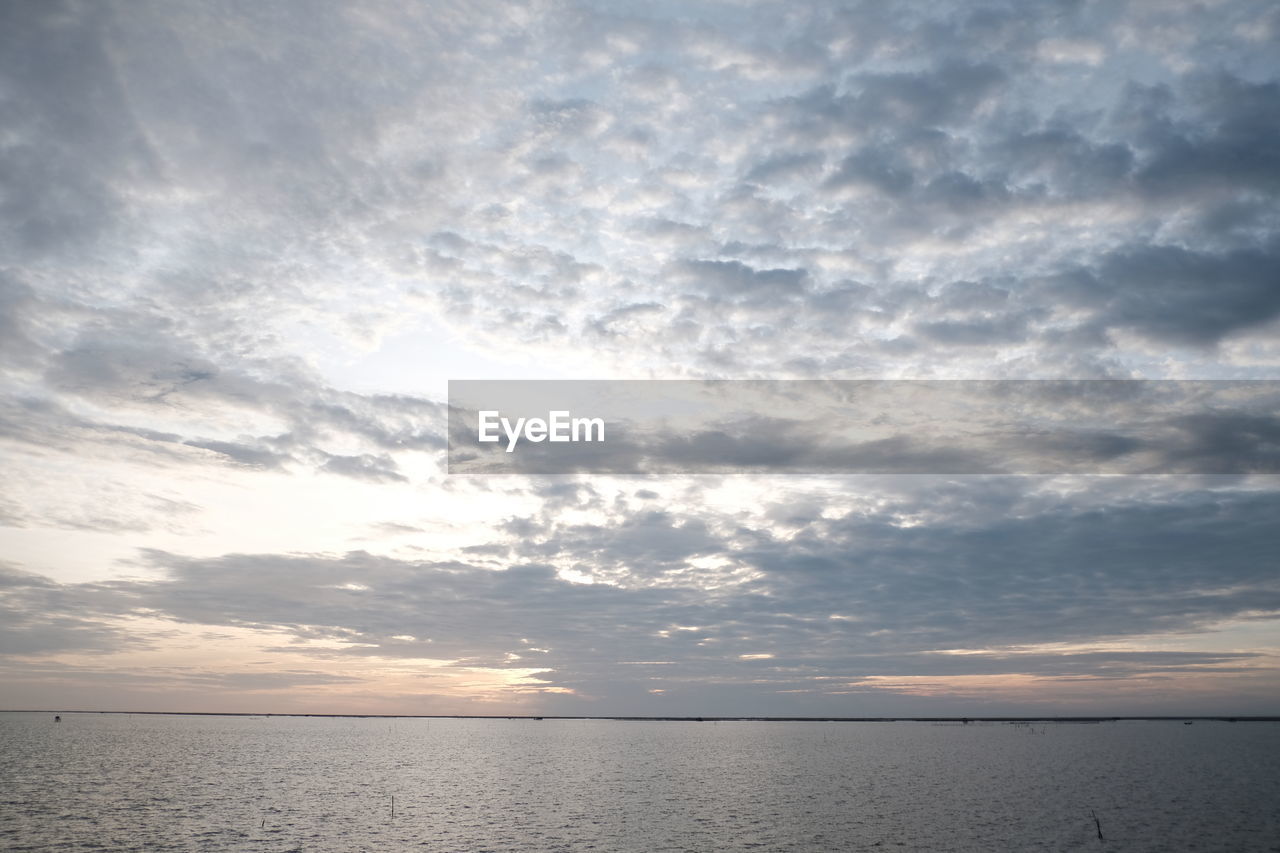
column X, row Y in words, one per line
column 144, row 782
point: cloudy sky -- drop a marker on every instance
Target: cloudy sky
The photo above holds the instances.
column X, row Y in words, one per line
column 243, row 247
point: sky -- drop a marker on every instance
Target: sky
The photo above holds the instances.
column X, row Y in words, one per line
column 244, row 247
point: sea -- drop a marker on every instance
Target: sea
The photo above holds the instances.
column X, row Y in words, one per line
column 147, row 782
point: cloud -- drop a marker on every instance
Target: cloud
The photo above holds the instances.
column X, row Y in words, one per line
column 378, row 469
column 858, row 164
column 849, row 596
column 244, row 245
column 1172, row 295
column 42, row 617
column 734, row 279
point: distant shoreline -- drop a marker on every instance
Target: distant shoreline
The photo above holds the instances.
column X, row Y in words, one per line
column 1036, row 719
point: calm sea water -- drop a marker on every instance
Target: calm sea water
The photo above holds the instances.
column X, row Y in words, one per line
column 111, row 782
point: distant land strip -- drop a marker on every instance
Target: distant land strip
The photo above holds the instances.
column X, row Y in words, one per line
column 1042, row 719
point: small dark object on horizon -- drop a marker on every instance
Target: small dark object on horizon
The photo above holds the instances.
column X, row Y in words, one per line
column 57, row 718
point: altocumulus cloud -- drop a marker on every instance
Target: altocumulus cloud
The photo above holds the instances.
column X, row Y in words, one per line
column 236, row 239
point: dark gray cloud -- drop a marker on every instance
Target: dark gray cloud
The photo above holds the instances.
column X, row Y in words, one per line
column 732, row 279
column 832, row 602
column 42, row 617
column 1173, row 295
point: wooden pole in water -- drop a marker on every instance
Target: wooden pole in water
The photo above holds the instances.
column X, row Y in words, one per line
column 1097, row 824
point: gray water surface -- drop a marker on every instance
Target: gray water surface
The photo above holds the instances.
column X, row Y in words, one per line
column 144, row 782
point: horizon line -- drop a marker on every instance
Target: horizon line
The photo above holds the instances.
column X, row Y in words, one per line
column 1227, row 718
